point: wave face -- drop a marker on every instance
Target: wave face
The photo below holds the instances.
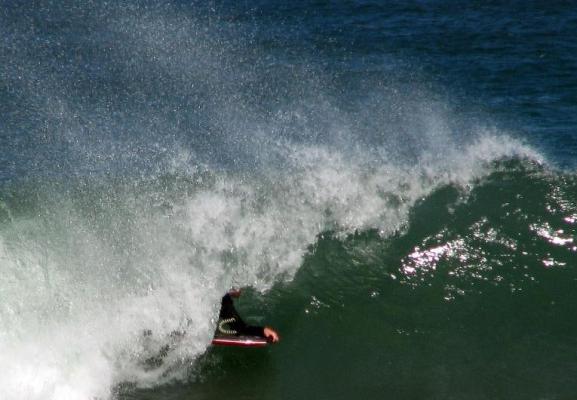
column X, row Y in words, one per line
column 154, row 155
column 472, row 301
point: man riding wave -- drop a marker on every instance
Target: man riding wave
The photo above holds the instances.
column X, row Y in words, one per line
column 231, row 324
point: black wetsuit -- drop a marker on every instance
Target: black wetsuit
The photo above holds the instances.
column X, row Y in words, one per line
column 230, row 323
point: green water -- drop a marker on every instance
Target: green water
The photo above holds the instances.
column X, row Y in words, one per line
column 472, row 301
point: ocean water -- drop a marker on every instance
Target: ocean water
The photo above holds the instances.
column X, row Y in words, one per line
column 393, row 183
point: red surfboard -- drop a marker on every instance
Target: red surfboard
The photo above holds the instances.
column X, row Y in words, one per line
column 239, row 341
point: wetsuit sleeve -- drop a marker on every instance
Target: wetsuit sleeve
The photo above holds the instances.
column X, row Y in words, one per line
column 250, row 330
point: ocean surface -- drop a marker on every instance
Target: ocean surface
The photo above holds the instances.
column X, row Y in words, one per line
column 392, row 182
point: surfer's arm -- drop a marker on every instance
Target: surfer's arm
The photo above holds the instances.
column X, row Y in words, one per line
column 242, row 328
column 250, row 330
column 261, row 331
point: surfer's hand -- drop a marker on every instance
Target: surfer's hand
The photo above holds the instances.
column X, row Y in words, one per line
column 271, row 335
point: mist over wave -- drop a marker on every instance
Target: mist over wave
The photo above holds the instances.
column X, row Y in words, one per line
column 156, row 157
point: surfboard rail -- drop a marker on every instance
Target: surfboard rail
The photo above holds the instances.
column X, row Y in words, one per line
column 239, row 341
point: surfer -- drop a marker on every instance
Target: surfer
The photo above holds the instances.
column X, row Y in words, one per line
column 230, row 322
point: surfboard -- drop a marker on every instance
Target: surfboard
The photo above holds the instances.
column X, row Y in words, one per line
column 239, row 341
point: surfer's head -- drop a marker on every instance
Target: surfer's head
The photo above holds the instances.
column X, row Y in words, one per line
column 234, row 292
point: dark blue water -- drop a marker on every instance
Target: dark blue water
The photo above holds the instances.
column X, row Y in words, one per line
column 514, row 61
column 393, row 182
